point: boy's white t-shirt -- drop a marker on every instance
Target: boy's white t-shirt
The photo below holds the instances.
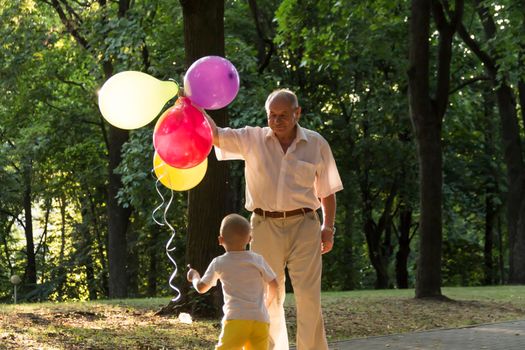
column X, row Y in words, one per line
column 244, row 275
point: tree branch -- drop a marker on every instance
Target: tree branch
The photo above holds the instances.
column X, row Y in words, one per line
column 70, row 24
column 476, row 48
column 6, row 247
column 14, row 216
column 269, row 47
column 71, row 11
column 65, row 81
column 468, row 82
column 446, row 34
column 416, row 227
column 44, row 234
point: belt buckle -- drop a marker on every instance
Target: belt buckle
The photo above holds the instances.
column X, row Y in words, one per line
column 284, row 215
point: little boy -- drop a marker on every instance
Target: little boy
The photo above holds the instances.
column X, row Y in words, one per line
column 244, row 276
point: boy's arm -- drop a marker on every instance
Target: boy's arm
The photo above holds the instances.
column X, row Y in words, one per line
column 195, row 278
column 272, row 292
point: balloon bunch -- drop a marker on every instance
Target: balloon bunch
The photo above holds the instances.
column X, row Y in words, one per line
column 182, row 137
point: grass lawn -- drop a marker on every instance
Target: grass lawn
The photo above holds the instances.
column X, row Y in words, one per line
column 132, row 324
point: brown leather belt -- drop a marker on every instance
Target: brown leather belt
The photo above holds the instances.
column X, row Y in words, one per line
column 281, row 214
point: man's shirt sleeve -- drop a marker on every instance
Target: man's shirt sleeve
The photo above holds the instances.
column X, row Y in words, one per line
column 233, row 143
column 327, row 180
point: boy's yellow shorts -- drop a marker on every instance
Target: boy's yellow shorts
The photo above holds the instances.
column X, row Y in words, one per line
column 244, row 334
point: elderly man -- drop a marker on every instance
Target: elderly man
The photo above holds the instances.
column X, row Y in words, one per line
column 290, row 172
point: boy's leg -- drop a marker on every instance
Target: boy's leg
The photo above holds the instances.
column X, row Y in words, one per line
column 304, row 267
column 234, row 335
column 259, row 339
column 271, row 241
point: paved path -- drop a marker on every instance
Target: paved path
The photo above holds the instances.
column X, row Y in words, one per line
column 494, row 336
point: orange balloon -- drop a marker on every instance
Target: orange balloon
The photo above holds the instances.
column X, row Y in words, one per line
column 179, row 179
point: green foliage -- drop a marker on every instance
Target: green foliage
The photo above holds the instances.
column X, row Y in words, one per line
column 462, row 262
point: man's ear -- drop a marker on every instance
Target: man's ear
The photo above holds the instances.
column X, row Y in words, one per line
column 297, row 114
column 220, row 239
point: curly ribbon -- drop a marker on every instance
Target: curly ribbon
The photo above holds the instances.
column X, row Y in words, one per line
column 169, row 249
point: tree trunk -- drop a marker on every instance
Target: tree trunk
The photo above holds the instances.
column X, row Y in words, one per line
column 491, row 189
column 490, row 215
column 518, row 250
column 6, row 246
column 118, row 216
column 379, row 246
column 428, row 276
column 43, row 242
column 501, row 253
column 30, row 270
column 511, row 145
column 420, row 111
column 133, row 264
column 118, row 219
column 515, row 170
column 518, row 247
column 209, row 202
column 373, row 240
column 90, row 276
column 403, row 252
column 427, row 116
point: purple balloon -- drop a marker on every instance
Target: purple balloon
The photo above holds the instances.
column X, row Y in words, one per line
column 211, row 82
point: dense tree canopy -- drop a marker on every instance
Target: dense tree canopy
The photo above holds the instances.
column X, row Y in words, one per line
column 347, row 61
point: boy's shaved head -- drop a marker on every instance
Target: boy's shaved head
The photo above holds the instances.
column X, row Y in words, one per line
column 235, row 228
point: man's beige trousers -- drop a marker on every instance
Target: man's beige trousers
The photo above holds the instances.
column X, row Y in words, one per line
column 293, row 242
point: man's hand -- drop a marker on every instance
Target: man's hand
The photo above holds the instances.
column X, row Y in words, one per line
column 213, row 126
column 327, row 230
column 327, row 240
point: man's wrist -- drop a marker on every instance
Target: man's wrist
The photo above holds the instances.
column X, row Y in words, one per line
column 329, row 228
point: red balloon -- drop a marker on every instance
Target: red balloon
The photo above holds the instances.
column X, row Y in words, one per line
column 183, row 136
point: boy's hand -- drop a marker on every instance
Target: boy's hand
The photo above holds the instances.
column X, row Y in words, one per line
column 194, row 277
column 192, row 274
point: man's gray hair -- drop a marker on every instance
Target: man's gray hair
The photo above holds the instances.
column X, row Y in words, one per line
column 287, row 94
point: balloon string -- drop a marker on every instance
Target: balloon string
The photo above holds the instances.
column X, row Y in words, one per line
column 172, row 229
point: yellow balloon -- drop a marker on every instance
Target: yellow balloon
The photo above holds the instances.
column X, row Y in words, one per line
column 130, row 100
column 179, row 179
